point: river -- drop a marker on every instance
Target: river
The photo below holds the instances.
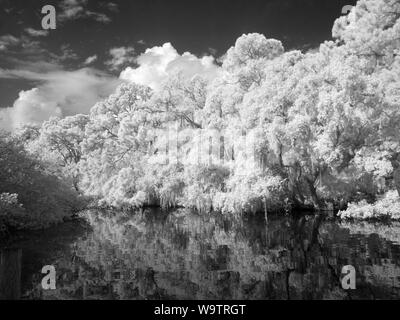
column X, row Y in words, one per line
column 183, row 255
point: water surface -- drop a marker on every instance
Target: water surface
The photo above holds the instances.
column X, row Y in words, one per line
column 183, row 255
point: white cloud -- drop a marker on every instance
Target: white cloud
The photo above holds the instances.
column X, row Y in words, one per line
column 72, row 9
column 157, row 63
column 32, row 106
column 112, row 6
column 213, row 51
column 66, row 53
column 36, row 33
column 5, row 119
column 12, row 48
column 99, row 17
column 62, row 93
column 120, row 57
column 7, row 41
column 77, row 9
column 90, row 59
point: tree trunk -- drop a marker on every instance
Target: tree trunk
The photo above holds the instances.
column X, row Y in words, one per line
column 314, row 196
column 222, row 149
column 75, row 182
column 265, row 210
column 280, row 158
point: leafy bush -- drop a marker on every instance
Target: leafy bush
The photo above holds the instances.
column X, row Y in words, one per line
column 12, row 212
column 387, row 207
column 30, row 198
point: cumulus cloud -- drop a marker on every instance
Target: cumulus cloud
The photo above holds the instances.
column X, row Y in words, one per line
column 157, row 63
column 120, row 57
column 62, row 93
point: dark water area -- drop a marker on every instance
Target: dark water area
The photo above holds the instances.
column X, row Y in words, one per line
column 183, row 255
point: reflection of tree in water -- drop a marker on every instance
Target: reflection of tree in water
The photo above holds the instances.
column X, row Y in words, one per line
column 182, row 255
column 10, row 274
column 379, row 256
column 314, row 252
column 24, row 255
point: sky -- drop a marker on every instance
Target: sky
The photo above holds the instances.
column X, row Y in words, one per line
column 96, row 44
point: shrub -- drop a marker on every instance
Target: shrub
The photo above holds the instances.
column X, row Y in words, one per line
column 30, row 197
column 387, row 207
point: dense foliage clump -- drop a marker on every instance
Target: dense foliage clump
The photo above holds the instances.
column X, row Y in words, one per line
column 386, row 208
column 30, row 197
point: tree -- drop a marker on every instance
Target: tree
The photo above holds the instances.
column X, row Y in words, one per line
column 64, row 137
column 252, row 47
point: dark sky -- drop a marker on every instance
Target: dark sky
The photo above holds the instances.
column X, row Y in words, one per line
column 200, row 27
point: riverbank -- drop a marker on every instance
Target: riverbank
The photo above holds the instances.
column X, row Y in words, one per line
column 385, row 209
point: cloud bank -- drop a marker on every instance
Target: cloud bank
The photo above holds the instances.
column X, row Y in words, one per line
column 62, row 93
